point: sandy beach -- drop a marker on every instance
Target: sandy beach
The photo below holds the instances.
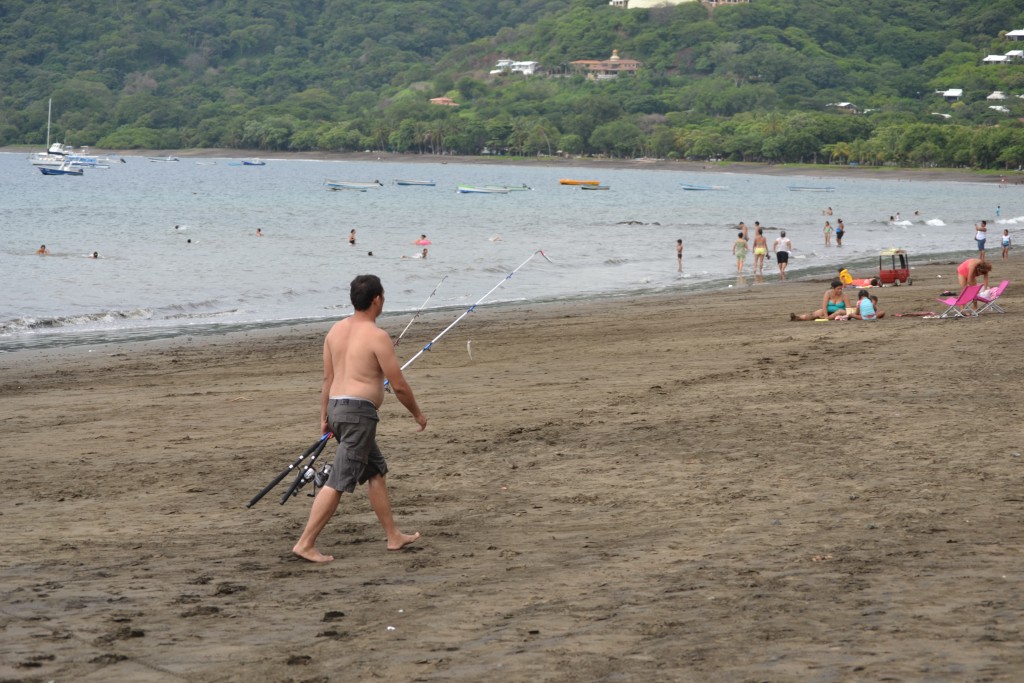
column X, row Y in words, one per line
column 662, row 488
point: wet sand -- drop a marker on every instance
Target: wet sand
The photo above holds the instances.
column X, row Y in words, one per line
column 666, row 488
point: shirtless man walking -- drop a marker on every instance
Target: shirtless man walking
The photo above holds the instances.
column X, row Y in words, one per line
column 358, row 357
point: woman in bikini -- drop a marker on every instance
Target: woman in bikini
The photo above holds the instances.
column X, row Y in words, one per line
column 833, row 305
column 760, row 251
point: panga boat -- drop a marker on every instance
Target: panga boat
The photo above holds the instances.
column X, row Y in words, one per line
column 807, row 188
column 510, row 188
column 570, row 181
column 468, row 189
column 595, row 187
column 406, row 181
column 687, row 186
column 162, row 158
column 64, row 169
column 351, row 184
column 253, row 162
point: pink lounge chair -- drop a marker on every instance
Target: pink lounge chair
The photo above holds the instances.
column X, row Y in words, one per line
column 990, row 301
column 957, row 306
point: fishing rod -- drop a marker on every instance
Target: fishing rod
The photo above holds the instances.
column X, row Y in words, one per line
column 317, row 446
column 399, row 340
column 470, row 310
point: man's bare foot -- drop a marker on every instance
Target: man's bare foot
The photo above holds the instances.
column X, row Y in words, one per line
column 402, row 540
column 312, row 555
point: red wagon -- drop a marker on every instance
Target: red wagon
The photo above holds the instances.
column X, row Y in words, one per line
column 894, row 267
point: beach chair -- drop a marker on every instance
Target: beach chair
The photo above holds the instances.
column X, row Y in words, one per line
column 957, row 306
column 990, row 301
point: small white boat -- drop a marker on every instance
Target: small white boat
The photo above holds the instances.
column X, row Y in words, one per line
column 469, row 189
column 595, row 187
column 162, row 158
column 253, row 162
column 351, row 184
column 687, row 186
column 406, row 181
column 808, row 188
column 510, row 188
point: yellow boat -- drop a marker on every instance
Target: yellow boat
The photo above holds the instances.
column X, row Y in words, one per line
column 570, row 181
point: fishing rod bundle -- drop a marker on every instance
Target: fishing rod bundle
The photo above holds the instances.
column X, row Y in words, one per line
column 307, row 472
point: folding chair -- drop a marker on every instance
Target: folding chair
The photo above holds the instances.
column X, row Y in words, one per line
column 990, row 301
column 957, row 306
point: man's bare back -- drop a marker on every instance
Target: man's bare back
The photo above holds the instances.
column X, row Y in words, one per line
column 351, row 362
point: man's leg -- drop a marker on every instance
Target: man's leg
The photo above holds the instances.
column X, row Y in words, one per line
column 377, row 489
column 324, row 505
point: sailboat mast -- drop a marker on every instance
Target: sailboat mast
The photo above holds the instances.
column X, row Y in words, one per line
column 49, row 112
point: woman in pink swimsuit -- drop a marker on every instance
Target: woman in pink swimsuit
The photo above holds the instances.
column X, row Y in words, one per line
column 968, row 272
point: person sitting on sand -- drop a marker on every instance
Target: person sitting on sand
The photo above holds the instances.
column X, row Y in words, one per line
column 879, row 313
column 865, row 307
column 833, row 305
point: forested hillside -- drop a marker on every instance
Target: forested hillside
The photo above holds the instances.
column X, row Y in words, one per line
column 756, row 82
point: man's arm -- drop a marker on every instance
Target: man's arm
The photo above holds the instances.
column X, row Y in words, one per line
column 388, row 361
column 325, row 390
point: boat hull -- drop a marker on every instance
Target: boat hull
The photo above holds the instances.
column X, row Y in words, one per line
column 570, row 181
column 466, row 189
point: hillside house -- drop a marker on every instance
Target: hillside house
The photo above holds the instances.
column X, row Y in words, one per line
column 647, row 4
column 951, row 95
column 1016, row 35
column 995, row 59
column 510, row 66
column 444, row 101
column 604, row 69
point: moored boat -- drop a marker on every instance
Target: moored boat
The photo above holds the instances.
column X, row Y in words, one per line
column 406, row 181
column 510, row 188
column 64, row 169
column 810, row 188
column 687, row 186
column 351, row 184
column 570, row 181
column 469, row 189
column 595, row 187
column 253, row 162
column 162, row 158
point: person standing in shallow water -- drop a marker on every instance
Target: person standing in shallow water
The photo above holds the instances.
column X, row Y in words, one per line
column 782, row 247
column 679, row 254
column 358, row 357
column 352, row 237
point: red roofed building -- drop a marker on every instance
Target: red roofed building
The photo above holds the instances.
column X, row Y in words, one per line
column 607, row 68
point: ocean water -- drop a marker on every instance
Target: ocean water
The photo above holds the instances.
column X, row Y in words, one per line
column 179, row 255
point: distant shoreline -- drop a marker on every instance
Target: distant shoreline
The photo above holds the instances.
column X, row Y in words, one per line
column 750, row 168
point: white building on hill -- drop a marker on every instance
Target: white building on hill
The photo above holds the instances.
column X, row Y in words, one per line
column 510, row 66
column 646, row 4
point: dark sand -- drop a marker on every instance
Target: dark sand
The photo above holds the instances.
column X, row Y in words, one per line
column 670, row 488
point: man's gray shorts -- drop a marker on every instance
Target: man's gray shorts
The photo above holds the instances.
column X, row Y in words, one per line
column 353, row 421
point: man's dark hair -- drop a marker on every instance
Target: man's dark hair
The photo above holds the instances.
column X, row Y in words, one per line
column 364, row 289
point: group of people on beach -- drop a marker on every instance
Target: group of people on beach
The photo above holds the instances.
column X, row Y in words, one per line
column 835, row 303
column 781, row 248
